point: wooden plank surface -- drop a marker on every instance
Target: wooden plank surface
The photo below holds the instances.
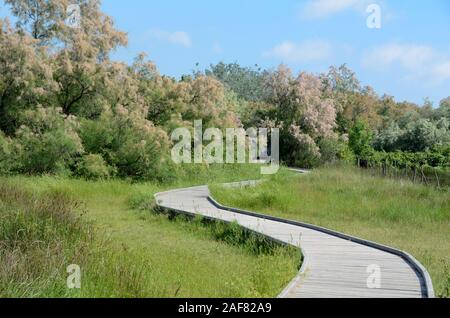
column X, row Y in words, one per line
column 335, row 267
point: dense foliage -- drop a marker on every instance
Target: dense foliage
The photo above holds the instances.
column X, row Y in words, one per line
column 66, row 107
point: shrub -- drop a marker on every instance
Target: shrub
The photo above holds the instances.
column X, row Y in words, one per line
column 360, row 140
column 300, row 149
column 438, row 157
column 138, row 160
column 5, row 154
column 128, row 143
column 421, row 135
column 93, row 167
column 98, row 136
column 48, row 141
column 330, row 150
column 346, row 154
column 388, row 139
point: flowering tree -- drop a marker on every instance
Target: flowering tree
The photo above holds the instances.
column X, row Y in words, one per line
column 39, row 18
column 25, row 77
column 302, row 111
column 80, row 56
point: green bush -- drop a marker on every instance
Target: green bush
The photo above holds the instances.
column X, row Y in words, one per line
column 345, row 153
column 98, row 137
column 299, row 150
column 93, row 167
column 48, row 142
column 423, row 134
column 388, row 139
column 330, row 150
column 133, row 146
column 438, row 157
column 5, row 154
column 360, row 140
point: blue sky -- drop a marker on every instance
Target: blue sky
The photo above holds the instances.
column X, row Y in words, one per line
column 409, row 57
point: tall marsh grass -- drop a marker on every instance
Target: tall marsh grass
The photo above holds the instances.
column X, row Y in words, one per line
column 39, row 237
column 42, row 234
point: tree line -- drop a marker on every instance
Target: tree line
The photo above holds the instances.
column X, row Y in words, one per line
column 67, row 108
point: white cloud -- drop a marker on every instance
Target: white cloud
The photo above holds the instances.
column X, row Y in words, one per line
column 178, row 37
column 317, row 9
column 442, row 70
column 301, row 52
column 420, row 61
column 409, row 56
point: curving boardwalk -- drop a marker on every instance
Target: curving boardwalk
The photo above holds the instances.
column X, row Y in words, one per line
column 334, row 266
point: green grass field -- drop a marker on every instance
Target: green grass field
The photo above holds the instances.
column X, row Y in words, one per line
column 411, row 217
column 124, row 249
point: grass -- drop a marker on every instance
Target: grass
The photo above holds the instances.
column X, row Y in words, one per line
column 411, row 217
column 37, row 236
column 125, row 250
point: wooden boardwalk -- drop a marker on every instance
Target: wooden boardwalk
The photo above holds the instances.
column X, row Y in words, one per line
column 334, row 266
